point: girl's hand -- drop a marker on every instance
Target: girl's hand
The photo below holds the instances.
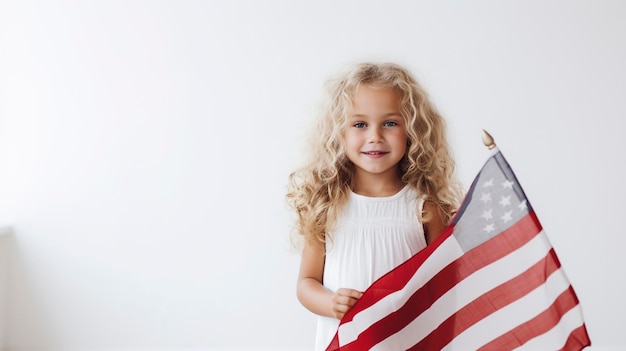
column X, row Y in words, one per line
column 343, row 300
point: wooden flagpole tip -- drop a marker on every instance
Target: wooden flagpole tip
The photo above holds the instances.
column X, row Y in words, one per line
column 488, row 140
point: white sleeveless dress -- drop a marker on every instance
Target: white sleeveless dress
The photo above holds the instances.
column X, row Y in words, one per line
column 372, row 236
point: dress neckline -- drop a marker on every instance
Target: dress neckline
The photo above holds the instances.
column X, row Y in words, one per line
column 380, row 198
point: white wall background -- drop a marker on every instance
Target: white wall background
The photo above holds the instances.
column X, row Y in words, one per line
column 145, row 147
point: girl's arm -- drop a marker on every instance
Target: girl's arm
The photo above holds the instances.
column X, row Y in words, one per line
column 434, row 226
column 311, row 291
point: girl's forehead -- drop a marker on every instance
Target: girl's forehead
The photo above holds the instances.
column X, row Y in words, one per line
column 367, row 96
column 373, row 85
column 369, row 88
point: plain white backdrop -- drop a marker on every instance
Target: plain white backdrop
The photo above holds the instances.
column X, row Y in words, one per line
column 145, row 148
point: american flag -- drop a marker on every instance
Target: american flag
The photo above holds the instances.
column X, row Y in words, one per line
column 491, row 281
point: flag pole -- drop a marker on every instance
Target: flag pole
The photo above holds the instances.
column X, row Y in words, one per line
column 488, row 140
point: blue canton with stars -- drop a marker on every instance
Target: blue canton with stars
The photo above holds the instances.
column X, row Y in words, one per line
column 493, row 204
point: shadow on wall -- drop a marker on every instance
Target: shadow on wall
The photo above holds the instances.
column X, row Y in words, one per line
column 22, row 322
column 6, row 243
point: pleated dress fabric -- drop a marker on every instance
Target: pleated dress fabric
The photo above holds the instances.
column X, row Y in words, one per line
column 372, row 236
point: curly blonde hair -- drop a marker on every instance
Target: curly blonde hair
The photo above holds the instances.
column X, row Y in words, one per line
column 317, row 191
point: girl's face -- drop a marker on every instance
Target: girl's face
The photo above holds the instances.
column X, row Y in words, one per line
column 375, row 133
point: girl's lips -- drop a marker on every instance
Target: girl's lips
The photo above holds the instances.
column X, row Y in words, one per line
column 374, row 154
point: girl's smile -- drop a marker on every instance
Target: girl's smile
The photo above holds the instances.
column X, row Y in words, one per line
column 374, row 154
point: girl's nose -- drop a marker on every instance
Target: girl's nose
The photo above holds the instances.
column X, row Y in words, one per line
column 374, row 135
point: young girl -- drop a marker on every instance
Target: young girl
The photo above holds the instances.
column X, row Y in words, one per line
column 378, row 189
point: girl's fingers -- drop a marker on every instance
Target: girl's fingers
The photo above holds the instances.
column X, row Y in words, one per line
column 343, row 300
column 350, row 293
column 341, row 308
column 349, row 300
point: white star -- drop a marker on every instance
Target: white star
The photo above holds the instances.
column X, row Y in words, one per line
column 507, row 184
column 505, row 200
column 489, row 228
column 488, row 183
column 523, row 205
column 507, row 216
column 487, row 215
column 486, row 197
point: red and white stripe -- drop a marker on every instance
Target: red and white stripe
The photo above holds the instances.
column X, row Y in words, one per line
column 506, row 293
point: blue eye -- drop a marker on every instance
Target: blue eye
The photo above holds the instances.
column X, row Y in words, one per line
column 390, row 124
column 359, row 125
